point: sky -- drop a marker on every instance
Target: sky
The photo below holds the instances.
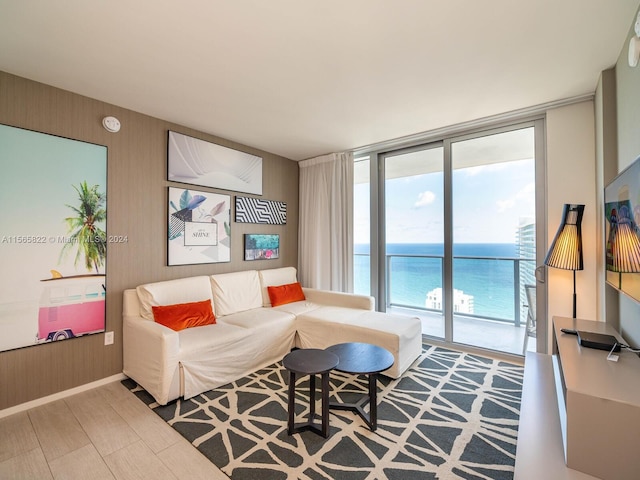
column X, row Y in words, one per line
column 488, row 204
column 36, row 187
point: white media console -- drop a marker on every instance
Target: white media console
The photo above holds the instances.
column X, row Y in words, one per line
column 580, row 413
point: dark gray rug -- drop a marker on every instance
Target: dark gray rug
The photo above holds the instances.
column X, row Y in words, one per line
column 452, row 415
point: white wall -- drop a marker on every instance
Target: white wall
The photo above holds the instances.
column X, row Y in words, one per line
column 571, row 178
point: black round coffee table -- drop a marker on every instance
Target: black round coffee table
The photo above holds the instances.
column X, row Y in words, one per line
column 362, row 359
column 312, row 362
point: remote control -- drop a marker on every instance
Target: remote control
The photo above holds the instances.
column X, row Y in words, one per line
column 569, row 331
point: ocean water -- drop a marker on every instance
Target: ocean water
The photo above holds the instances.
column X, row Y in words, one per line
column 489, row 280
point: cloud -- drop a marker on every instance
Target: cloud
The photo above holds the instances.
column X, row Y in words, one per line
column 526, row 194
column 504, row 205
column 425, row 198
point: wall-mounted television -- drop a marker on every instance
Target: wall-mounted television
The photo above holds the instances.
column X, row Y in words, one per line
column 622, row 231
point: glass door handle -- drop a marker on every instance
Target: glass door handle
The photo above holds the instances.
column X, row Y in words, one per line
column 540, row 274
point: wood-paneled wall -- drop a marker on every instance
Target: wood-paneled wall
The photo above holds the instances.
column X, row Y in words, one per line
column 137, row 208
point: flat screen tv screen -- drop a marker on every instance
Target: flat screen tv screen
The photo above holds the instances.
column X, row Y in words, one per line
column 622, row 234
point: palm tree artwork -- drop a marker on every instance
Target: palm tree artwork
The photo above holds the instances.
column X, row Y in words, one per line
column 83, row 227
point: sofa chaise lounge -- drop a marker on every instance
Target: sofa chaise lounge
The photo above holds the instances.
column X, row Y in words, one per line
column 249, row 333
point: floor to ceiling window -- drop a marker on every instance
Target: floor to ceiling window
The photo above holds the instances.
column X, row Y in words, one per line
column 493, row 193
column 361, row 226
column 414, row 233
column 446, row 231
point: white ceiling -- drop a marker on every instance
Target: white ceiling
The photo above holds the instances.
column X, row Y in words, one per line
column 302, row 78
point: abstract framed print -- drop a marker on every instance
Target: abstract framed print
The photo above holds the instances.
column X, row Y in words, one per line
column 199, row 228
column 198, row 162
column 257, row 210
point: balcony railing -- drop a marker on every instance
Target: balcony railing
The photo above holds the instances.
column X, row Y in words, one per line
column 495, row 283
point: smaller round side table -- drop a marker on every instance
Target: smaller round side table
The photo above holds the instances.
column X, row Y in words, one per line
column 312, row 362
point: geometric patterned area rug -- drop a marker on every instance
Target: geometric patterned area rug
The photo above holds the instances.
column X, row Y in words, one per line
column 452, row 415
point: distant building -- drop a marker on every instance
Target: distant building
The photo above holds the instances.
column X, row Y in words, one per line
column 462, row 303
column 526, row 244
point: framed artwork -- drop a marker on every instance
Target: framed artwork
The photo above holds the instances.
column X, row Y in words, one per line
column 197, row 162
column 261, row 247
column 199, row 227
column 53, row 245
column 256, row 210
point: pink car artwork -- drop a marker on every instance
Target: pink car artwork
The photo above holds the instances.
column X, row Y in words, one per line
column 71, row 306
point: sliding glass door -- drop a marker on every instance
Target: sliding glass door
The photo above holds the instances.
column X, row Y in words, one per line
column 493, row 199
column 414, row 234
column 447, row 231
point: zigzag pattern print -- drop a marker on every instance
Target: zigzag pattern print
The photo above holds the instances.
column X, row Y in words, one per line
column 255, row 210
column 452, row 415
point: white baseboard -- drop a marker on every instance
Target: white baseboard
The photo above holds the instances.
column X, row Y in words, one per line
column 57, row 396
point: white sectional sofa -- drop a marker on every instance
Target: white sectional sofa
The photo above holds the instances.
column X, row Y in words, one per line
column 249, row 333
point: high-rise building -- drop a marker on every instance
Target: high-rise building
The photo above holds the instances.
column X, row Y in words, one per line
column 526, row 250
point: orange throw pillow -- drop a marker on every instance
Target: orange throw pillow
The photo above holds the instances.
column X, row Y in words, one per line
column 284, row 294
column 184, row 315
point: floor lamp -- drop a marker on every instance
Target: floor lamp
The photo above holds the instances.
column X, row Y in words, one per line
column 566, row 248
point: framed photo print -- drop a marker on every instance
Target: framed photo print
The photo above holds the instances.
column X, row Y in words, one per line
column 53, row 244
column 261, row 247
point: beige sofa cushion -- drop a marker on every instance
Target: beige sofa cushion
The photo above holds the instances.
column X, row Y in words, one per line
column 329, row 325
column 273, row 278
column 236, row 292
column 171, row 292
column 261, row 317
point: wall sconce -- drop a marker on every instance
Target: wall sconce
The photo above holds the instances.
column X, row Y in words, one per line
column 634, row 44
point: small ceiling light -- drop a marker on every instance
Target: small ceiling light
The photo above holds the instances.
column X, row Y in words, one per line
column 634, row 44
column 111, row 124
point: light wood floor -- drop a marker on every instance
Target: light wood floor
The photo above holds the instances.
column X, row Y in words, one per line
column 108, row 433
column 104, row 433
